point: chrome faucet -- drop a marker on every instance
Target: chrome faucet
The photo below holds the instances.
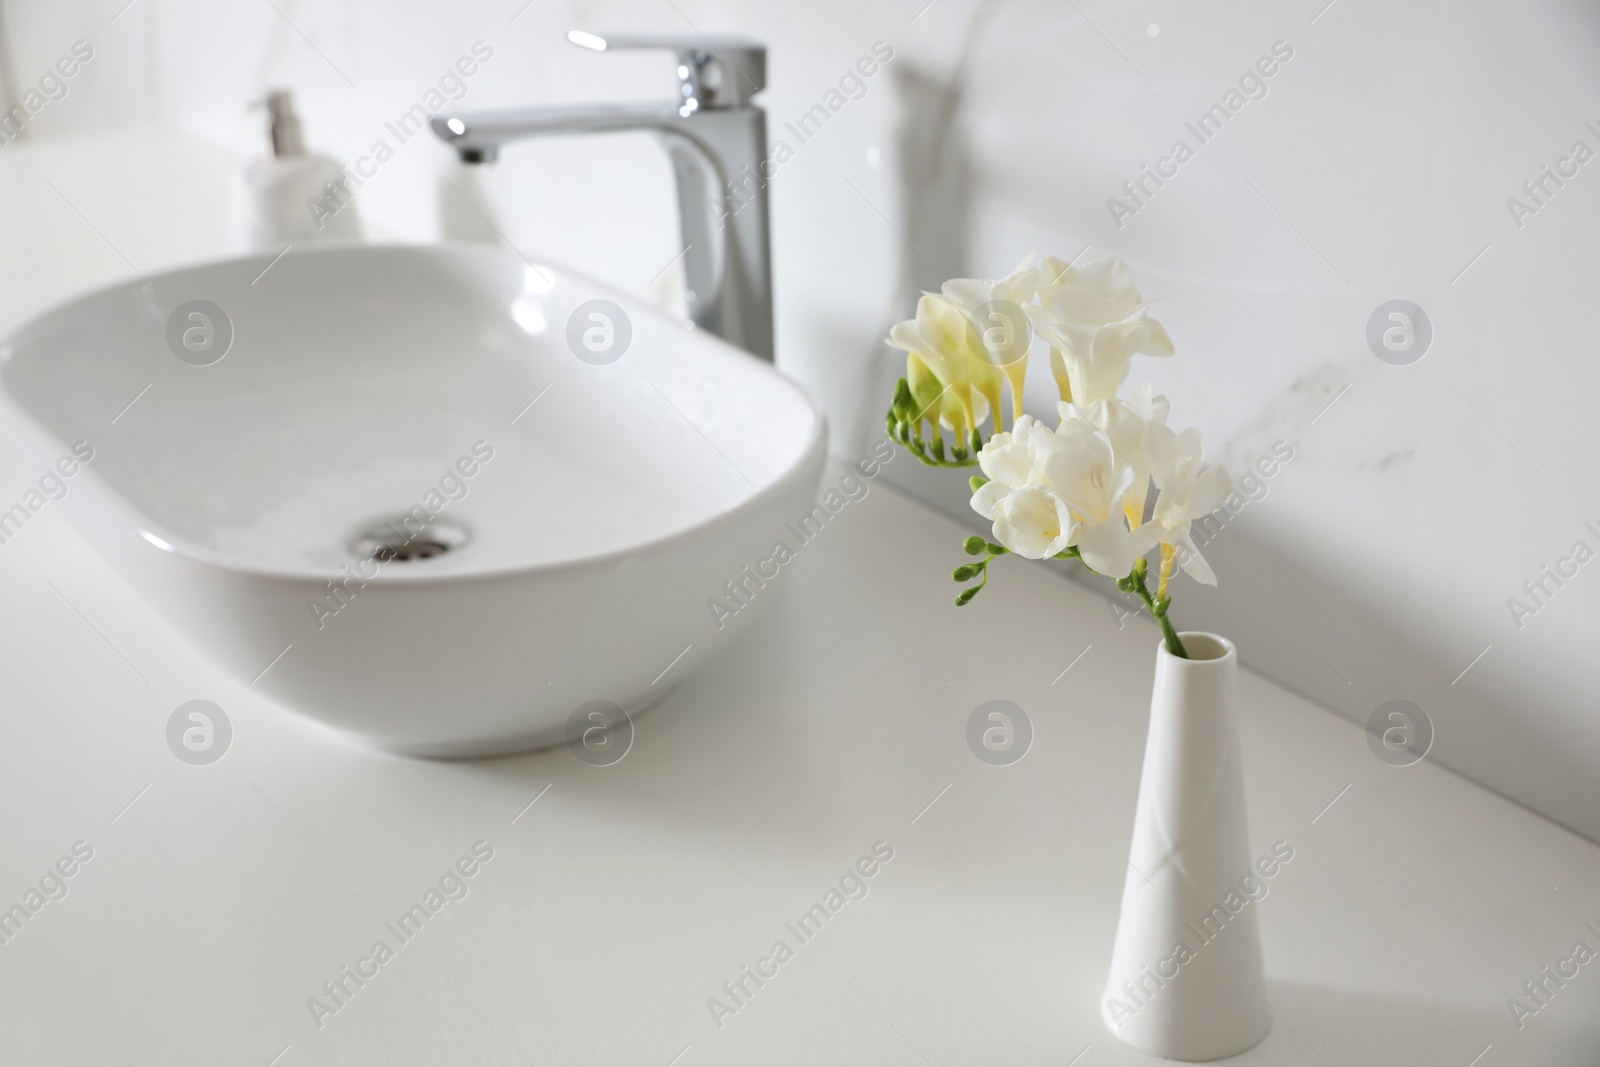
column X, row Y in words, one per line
column 717, row 141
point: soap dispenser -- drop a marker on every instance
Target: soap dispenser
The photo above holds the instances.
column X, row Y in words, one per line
column 295, row 196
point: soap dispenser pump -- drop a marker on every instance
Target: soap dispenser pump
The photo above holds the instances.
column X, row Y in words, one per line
column 296, row 196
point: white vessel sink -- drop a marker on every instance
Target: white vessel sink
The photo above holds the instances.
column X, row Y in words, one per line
column 587, row 532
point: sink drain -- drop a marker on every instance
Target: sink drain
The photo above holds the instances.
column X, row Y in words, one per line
column 394, row 542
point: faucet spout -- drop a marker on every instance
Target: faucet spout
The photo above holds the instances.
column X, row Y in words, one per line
column 486, row 131
column 716, row 152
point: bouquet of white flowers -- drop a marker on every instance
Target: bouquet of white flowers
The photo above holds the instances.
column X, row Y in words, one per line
column 1080, row 490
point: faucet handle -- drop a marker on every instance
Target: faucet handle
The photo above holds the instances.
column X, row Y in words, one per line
column 713, row 72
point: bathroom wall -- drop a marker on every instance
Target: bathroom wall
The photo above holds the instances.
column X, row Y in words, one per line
column 1378, row 563
column 1374, row 164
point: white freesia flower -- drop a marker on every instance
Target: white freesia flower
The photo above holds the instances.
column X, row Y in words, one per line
column 1007, row 458
column 1078, row 464
column 1018, row 287
column 936, row 404
column 1096, row 322
column 1003, row 342
column 1128, row 424
column 1029, row 521
column 1033, row 523
column 1052, row 490
column 941, row 339
column 1188, row 490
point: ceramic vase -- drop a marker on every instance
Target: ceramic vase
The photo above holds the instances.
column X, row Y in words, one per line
column 1186, row 973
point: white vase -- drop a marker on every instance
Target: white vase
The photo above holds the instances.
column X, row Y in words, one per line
column 1186, row 975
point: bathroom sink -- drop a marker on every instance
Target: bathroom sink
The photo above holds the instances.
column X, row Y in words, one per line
column 380, row 485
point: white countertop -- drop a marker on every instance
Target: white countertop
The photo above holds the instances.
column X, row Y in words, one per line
column 218, row 899
column 222, row 897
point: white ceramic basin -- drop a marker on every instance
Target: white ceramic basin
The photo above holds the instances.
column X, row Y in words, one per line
column 363, row 383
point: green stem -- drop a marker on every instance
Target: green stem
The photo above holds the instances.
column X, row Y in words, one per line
column 1135, row 582
column 968, row 571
